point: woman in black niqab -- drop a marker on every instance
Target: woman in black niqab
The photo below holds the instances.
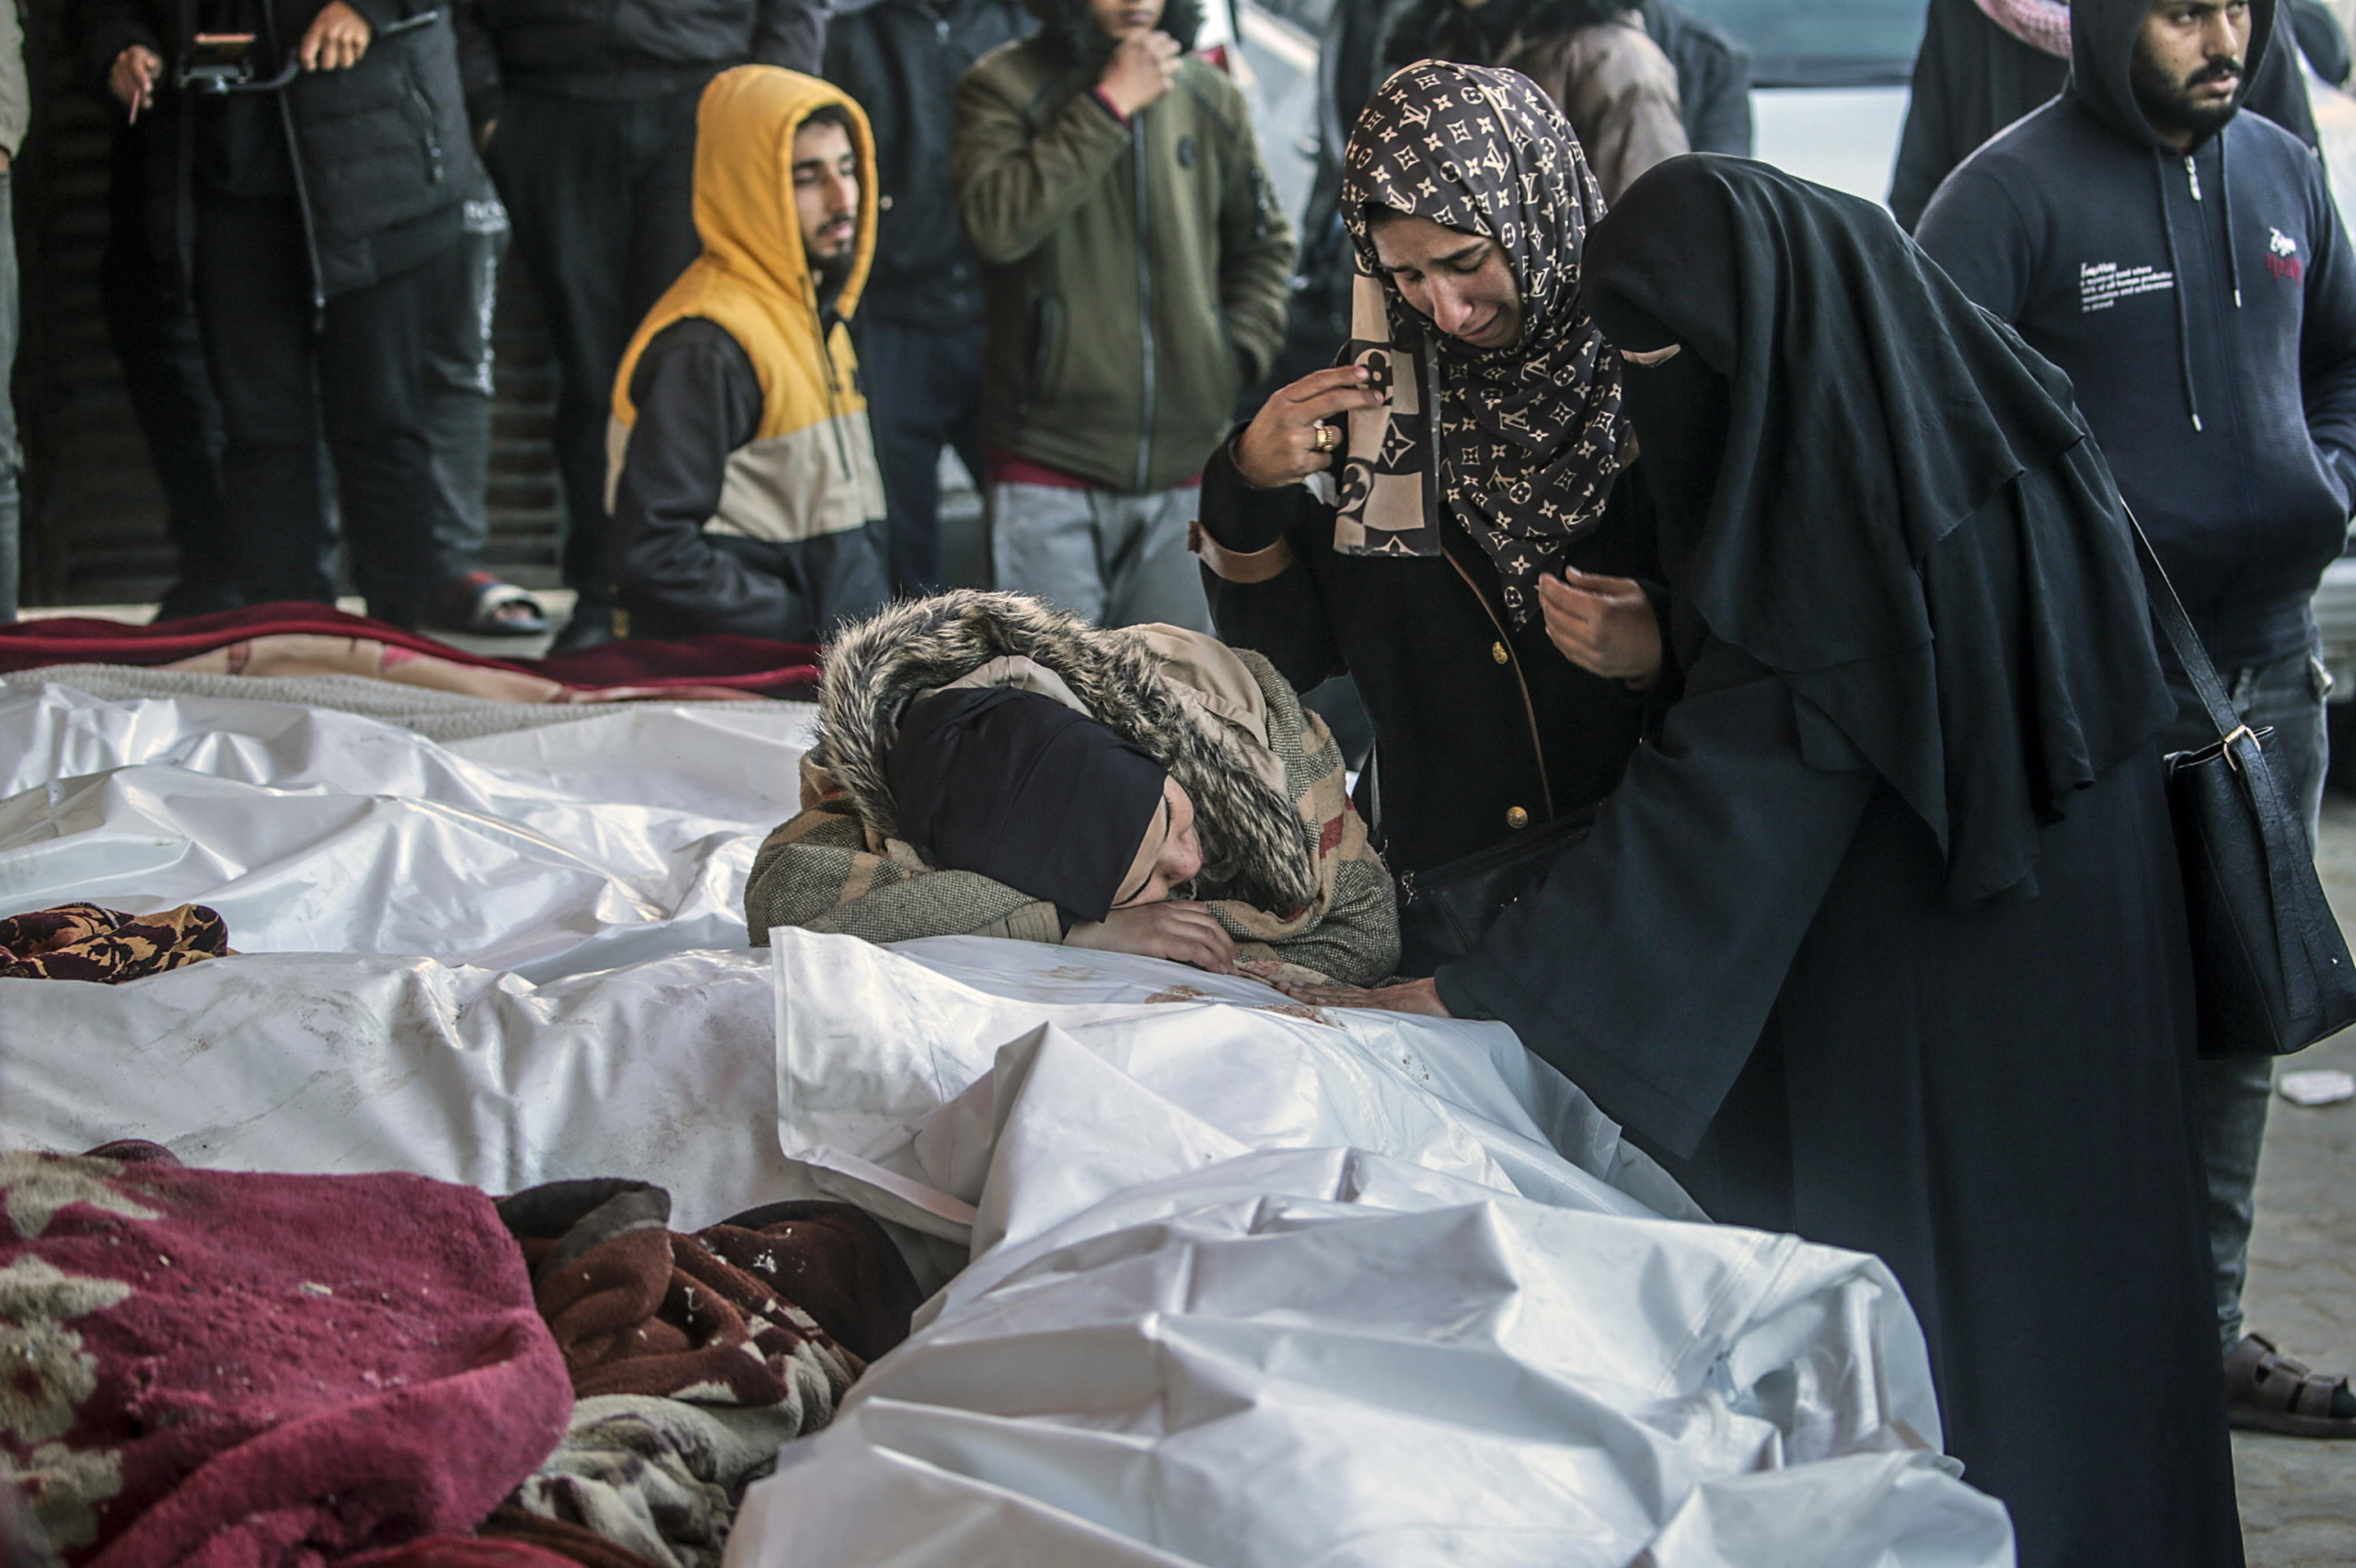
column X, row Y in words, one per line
column 1884, row 942
column 1867, row 410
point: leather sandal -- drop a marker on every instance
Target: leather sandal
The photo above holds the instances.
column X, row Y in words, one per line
column 2266, row 1392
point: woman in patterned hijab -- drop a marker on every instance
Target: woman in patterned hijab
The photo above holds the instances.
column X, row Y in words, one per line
column 1442, row 515
column 1529, row 433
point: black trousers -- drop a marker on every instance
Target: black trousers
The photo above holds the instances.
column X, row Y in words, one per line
column 360, row 377
column 924, row 392
column 154, row 333
column 601, row 192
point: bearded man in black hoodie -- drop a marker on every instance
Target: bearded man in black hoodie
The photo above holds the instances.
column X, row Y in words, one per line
column 2183, row 263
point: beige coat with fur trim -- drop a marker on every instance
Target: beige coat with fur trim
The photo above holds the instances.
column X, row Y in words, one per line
column 1289, row 871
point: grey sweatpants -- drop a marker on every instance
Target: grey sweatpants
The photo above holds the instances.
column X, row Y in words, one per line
column 1117, row 559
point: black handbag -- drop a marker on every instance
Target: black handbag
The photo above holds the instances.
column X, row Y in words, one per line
column 1444, row 910
column 2271, row 971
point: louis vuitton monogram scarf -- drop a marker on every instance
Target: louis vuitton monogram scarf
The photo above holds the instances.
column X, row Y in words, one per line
column 1523, row 441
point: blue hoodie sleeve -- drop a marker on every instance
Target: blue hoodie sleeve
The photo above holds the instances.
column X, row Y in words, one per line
column 1972, row 229
column 2327, row 338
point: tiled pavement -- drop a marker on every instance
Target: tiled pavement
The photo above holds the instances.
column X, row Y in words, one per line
column 2299, row 1496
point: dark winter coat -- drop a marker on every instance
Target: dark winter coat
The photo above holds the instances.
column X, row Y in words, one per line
column 1972, row 79
column 382, row 152
column 1136, row 271
column 1481, row 731
column 1713, row 78
column 2203, row 306
column 2322, row 39
column 627, row 48
column 1318, row 315
column 902, row 60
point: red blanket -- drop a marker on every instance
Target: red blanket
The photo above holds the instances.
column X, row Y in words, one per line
column 216, row 1369
column 743, row 664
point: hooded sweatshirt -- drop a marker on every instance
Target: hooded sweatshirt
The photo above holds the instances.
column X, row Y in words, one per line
column 2205, row 309
column 742, row 474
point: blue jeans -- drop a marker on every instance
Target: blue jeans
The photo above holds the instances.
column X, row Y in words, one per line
column 2235, row 1090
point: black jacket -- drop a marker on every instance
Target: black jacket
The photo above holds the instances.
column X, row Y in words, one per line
column 383, row 150
column 2321, row 40
column 1317, row 317
column 1474, row 721
column 627, row 48
column 902, row 59
column 1713, row 78
column 1972, row 79
column 2205, row 309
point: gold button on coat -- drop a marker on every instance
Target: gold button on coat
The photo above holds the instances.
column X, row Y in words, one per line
column 1498, row 651
column 1517, row 817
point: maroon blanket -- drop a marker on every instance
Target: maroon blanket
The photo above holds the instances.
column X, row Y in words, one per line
column 743, row 664
column 227, row 1370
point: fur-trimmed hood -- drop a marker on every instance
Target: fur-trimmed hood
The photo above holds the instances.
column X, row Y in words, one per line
column 1068, row 28
column 1255, row 843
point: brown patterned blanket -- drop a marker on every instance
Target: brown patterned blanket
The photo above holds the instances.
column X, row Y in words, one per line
column 82, row 941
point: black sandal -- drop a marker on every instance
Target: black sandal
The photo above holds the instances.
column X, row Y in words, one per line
column 2266, row 1392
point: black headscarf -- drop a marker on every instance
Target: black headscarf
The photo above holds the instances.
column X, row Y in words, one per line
column 1838, row 411
column 1529, row 435
column 1020, row 789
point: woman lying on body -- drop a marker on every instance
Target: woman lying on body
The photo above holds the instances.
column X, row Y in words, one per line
column 990, row 765
column 1019, row 789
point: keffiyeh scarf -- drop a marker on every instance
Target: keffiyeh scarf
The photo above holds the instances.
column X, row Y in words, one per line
column 1522, row 442
column 2041, row 24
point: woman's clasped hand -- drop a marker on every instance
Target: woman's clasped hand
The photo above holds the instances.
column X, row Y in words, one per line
column 1604, row 625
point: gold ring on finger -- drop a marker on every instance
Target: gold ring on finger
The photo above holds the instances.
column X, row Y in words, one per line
column 1327, row 436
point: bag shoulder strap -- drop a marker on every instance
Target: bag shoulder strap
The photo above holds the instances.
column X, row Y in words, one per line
column 2176, row 627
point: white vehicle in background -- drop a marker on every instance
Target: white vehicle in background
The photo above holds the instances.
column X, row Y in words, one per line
column 1827, row 83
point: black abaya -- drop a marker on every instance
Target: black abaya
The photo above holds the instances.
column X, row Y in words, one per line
column 1991, row 1099
column 1964, row 1048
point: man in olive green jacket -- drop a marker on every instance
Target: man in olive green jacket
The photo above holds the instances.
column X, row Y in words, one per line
column 1135, row 266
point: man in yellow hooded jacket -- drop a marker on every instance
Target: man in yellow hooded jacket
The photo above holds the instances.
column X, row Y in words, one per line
column 741, row 477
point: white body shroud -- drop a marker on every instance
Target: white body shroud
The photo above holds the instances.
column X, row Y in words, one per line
column 1250, row 1284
